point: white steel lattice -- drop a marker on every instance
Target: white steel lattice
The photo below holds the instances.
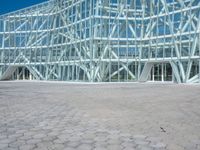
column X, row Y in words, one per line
column 102, row 41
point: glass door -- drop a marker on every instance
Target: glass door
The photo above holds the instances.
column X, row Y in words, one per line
column 161, row 72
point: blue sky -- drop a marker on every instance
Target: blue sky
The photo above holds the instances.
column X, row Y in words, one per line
column 12, row 5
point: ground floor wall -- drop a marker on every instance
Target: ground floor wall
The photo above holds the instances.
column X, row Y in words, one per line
column 178, row 71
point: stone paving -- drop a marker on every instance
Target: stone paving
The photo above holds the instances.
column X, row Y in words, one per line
column 132, row 116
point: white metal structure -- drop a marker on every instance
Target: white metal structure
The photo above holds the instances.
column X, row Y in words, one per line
column 102, row 41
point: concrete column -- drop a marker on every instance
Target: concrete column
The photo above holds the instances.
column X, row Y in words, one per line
column 30, row 76
column 153, row 78
column 23, row 73
column 17, row 73
column 162, row 72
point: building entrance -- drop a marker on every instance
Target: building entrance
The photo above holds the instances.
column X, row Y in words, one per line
column 161, row 72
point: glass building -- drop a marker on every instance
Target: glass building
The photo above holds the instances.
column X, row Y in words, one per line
column 102, row 41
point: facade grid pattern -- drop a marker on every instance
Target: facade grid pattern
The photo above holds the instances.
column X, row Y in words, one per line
column 102, row 41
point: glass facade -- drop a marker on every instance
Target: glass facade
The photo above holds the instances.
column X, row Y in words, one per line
column 102, row 41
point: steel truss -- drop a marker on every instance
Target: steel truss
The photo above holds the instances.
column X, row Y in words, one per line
column 101, row 40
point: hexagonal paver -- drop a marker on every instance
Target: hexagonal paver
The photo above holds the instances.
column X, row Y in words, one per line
column 98, row 116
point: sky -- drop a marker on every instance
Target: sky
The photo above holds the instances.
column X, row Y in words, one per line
column 12, row 5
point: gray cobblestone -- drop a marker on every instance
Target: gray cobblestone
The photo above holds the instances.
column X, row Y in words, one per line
column 10, row 148
column 3, row 146
column 85, row 147
column 114, row 147
column 27, row 147
column 158, row 145
column 73, row 144
column 100, row 148
column 69, row 148
column 45, row 116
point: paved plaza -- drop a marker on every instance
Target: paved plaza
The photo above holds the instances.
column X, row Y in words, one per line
column 116, row 116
